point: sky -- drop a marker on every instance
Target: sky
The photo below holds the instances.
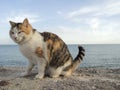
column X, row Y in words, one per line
column 75, row 21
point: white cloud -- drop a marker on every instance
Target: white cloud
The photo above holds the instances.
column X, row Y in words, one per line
column 59, row 12
column 97, row 24
column 111, row 8
column 19, row 17
column 86, row 13
column 81, row 11
column 94, row 23
column 80, row 35
column 108, row 8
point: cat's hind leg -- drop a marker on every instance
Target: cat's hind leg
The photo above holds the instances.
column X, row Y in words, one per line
column 54, row 72
column 67, row 73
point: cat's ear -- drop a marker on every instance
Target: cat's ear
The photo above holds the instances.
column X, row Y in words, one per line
column 25, row 22
column 12, row 23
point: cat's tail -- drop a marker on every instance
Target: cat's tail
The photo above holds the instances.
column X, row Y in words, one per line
column 78, row 58
column 76, row 62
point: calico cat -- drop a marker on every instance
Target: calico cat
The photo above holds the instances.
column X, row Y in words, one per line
column 46, row 50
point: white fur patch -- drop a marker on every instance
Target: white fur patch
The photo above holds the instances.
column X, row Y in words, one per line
column 28, row 48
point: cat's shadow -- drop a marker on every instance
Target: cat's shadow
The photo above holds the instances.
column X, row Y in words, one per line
column 32, row 76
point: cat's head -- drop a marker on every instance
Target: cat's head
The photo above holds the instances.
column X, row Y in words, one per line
column 20, row 32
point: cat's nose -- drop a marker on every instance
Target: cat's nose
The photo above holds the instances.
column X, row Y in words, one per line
column 15, row 38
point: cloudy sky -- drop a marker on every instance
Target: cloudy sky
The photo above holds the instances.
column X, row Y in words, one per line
column 75, row 21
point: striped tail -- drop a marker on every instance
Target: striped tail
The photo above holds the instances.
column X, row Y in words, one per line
column 78, row 58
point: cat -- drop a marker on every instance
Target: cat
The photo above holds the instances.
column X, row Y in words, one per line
column 46, row 50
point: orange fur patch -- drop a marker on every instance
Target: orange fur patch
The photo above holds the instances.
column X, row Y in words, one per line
column 50, row 41
column 48, row 53
column 39, row 52
column 56, row 45
column 26, row 30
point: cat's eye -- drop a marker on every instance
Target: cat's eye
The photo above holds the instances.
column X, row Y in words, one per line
column 19, row 32
column 12, row 32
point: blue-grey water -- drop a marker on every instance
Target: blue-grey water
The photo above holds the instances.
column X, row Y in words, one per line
column 107, row 56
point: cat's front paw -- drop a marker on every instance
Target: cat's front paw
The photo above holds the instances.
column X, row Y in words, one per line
column 24, row 74
column 39, row 76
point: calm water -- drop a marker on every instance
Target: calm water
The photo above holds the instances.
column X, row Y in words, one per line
column 96, row 56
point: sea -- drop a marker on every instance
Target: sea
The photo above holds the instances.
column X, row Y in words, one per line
column 97, row 55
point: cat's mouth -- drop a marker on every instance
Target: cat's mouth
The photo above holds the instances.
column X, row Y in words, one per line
column 18, row 40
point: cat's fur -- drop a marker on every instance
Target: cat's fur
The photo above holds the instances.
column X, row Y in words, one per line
column 46, row 49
